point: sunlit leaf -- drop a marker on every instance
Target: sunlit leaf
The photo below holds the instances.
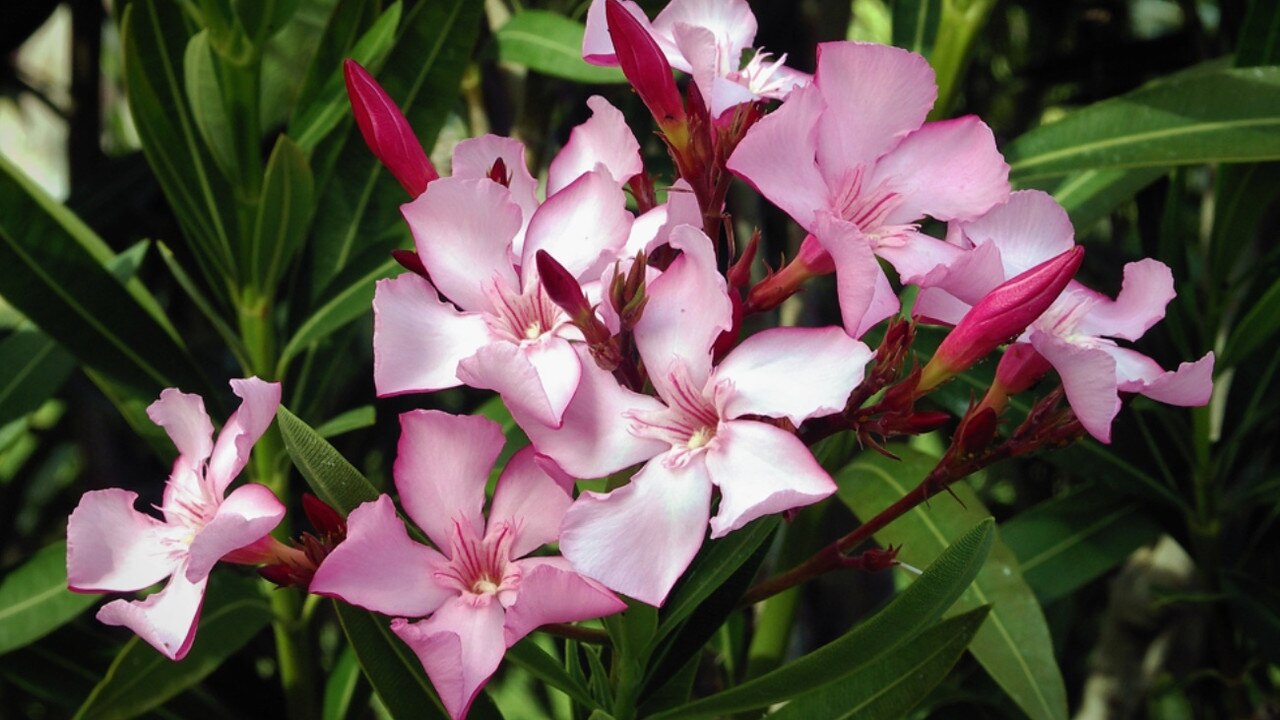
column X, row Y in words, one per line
column 550, row 43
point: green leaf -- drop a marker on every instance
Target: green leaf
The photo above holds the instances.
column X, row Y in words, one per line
column 353, row 419
column 391, row 666
column 208, row 108
column 333, row 479
column 915, row 24
column 352, row 300
column 154, row 35
column 283, row 213
column 34, row 599
column 1064, row 543
column 55, row 275
column 897, row 681
column 35, row 368
column 358, row 220
column 534, row 660
column 141, row 679
column 1219, row 115
column 551, row 44
column 202, row 303
column 1014, row 646
column 340, row 688
column 923, row 602
column 314, row 121
column 1256, row 330
column 346, row 21
column 1091, row 195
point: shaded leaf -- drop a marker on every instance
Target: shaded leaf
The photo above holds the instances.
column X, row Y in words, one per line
column 341, row 687
column 535, row 661
column 283, row 213
column 1091, row 195
column 34, row 369
column 551, row 44
column 352, row 300
column 915, row 24
column 34, row 599
column 1014, row 645
column 353, row 419
column 391, row 667
column 208, row 107
column 331, row 477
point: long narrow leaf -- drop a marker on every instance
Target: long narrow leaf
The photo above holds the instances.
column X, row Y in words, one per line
column 333, row 479
column 34, row 599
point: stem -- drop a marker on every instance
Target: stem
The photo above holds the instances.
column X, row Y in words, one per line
column 575, row 632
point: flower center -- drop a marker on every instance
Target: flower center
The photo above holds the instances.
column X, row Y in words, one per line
column 867, row 207
column 701, row 437
column 521, row 317
column 688, row 422
column 1064, row 315
column 761, row 76
column 481, row 568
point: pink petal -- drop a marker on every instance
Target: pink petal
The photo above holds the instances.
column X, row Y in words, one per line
column 536, row 380
column 875, row 96
column 1191, row 385
column 593, row 439
column 473, row 158
column 166, row 619
column 777, row 157
column 597, row 46
column 915, row 254
column 726, row 94
column 1147, row 289
column 442, row 466
column 460, row 647
column 579, row 226
column 761, row 470
column 247, row 515
column 463, row 230
column 419, row 340
column 551, row 591
column 603, row 139
column 796, row 373
column 639, row 539
column 705, row 60
column 730, row 25
column 183, row 417
column 949, row 170
column 258, row 402
column 884, row 304
column 970, row 275
column 653, row 228
column 113, row 548
column 1029, row 229
column 379, row 568
column 857, row 272
column 935, row 306
column 688, row 308
column 532, row 496
column 1088, row 378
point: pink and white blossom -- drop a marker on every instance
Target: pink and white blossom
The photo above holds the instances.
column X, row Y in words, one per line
column 112, row 547
column 711, row 426
column 707, row 39
column 851, row 160
column 477, row 590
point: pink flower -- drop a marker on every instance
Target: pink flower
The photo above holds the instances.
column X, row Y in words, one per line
column 480, row 595
column 1077, row 333
column 850, row 159
column 707, row 428
column 477, row 239
column 705, row 38
column 111, row 547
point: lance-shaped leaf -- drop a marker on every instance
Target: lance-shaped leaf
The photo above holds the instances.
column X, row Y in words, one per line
column 1014, row 645
column 208, row 105
column 1206, row 115
column 35, row 368
column 551, row 44
column 283, row 213
column 34, row 599
column 333, row 479
column 55, row 275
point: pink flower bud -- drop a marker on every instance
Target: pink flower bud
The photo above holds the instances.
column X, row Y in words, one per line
column 810, row 261
column 647, row 70
column 387, row 132
column 1000, row 316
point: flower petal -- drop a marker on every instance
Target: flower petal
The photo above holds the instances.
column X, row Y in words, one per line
column 536, row 380
column 247, row 515
column 1190, row 385
column 551, row 591
column 796, row 373
column 875, row 95
column 463, row 230
column 258, row 402
column 730, row 24
column 473, row 158
column 687, row 309
column 597, row 45
column 1029, row 229
column 1147, row 289
column 593, row 440
column 777, row 157
column 949, row 170
column 857, row 272
column 183, row 417
column 913, row 255
column 460, row 647
column 761, row 470
column 583, row 226
column 533, row 496
column 1088, row 378
column 418, row 340
column 379, row 568
column 442, row 465
column 166, row 620
column 111, row 547
column 604, row 139
column 639, row 539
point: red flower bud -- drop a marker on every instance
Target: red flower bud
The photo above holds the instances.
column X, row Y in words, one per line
column 647, row 70
column 411, row 261
column 387, row 132
column 1000, row 316
column 323, row 518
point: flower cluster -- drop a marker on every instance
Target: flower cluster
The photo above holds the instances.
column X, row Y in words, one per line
column 617, row 343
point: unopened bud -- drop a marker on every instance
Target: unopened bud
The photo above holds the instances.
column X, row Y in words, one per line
column 498, row 173
column 1000, row 316
column 976, row 431
column 564, row 290
column 323, row 518
column 627, row 293
column 740, row 272
column 810, row 262
column 411, row 261
column 648, row 71
column 387, row 132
